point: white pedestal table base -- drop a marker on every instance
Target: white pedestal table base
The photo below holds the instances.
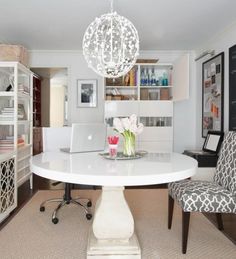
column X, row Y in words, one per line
column 112, row 234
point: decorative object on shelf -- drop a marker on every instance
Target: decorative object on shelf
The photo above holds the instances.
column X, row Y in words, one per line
column 21, row 112
column 164, row 94
column 9, row 88
column 213, row 94
column 111, row 45
column 87, row 93
column 10, row 83
column 113, row 144
column 128, row 128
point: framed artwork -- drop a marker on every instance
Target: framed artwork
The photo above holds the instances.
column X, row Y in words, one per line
column 213, row 94
column 232, row 88
column 87, row 93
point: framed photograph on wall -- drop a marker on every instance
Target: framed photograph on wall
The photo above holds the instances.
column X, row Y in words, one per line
column 87, row 93
column 213, row 94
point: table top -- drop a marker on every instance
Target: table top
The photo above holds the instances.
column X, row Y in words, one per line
column 93, row 169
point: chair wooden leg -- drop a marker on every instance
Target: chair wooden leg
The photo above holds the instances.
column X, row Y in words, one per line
column 219, row 221
column 185, row 227
column 170, row 211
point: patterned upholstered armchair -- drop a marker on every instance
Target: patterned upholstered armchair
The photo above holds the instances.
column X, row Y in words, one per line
column 217, row 197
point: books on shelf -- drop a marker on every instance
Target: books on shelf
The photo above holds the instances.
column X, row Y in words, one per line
column 7, row 144
column 7, row 113
column 130, row 79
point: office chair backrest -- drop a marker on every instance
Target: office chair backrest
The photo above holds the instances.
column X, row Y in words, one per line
column 56, row 138
column 226, row 165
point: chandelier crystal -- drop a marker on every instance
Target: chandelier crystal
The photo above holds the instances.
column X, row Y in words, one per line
column 111, row 45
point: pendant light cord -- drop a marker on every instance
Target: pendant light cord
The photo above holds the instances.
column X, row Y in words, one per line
column 111, row 2
column 111, row 31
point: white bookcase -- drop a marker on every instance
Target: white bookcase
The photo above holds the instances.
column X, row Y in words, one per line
column 151, row 100
column 16, row 121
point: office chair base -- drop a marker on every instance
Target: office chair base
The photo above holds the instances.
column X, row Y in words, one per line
column 67, row 199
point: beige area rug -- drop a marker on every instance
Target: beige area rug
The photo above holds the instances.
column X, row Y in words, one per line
column 31, row 235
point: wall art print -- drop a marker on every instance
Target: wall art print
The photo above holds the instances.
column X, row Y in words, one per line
column 87, row 93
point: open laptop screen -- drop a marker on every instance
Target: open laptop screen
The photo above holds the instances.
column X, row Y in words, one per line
column 87, row 137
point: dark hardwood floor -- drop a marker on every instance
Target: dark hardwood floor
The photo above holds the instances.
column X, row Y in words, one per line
column 24, row 194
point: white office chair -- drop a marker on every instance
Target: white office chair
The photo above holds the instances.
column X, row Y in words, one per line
column 53, row 140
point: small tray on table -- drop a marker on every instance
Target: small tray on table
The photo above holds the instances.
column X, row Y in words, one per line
column 121, row 156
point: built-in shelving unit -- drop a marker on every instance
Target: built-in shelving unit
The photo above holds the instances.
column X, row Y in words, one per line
column 36, row 101
column 149, row 91
column 15, row 131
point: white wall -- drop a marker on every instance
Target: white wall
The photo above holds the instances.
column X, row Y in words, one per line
column 77, row 69
column 221, row 42
column 184, row 111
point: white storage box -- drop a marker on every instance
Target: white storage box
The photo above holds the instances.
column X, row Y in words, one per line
column 14, row 53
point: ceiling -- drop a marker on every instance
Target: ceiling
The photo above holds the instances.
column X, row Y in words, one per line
column 162, row 24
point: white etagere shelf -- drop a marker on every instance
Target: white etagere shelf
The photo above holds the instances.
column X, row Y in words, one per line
column 153, row 104
column 15, row 125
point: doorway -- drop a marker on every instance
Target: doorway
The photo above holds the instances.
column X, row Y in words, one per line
column 54, row 96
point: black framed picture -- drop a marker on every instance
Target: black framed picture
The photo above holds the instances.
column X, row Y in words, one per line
column 87, row 93
column 213, row 94
column 232, row 88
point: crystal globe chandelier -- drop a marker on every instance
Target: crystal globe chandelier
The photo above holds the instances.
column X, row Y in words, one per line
column 111, row 45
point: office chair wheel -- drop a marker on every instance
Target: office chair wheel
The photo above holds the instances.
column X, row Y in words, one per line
column 55, row 220
column 89, row 216
column 42, row 208
column 89, row 204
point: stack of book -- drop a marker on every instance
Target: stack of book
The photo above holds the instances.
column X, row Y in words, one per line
column 7, row 113
column 7, row 144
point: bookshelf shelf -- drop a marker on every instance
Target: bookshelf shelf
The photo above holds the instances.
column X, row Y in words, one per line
column 7, row 122
column 122, row 87
column 6, row 94
column 24, row 95
column 155, row 87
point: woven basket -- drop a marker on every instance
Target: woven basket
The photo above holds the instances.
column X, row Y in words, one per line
column 14, row 53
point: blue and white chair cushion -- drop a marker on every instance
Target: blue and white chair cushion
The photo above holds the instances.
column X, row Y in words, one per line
column 202, row 196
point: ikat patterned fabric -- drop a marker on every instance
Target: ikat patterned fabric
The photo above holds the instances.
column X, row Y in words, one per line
column 202, row 196
column 226, row 165
column 218, row 196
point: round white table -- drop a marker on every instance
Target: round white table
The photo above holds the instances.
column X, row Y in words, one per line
column 112, row 234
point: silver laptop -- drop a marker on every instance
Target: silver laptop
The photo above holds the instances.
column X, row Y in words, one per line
column 87, row 137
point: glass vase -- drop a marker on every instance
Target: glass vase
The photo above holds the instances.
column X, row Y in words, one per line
column 129, row 144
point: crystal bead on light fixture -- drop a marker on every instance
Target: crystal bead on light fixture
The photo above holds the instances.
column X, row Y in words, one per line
column 111, row 45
